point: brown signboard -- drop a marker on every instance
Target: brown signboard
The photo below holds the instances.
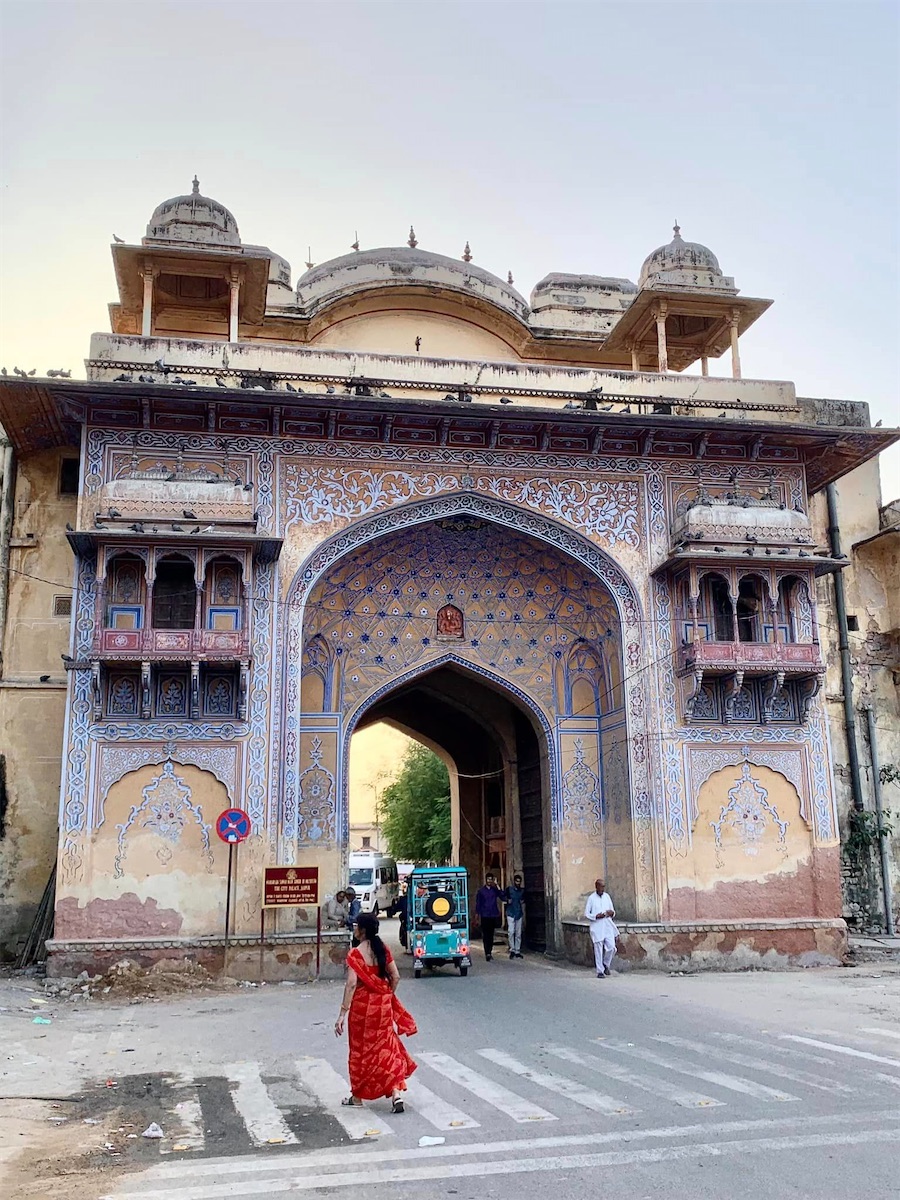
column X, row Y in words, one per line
column 290, row 887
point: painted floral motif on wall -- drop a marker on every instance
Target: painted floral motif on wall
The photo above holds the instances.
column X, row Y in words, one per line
column 166, row 809
column 316, row 815
column 581, row 795
column 608, row 509
column 749, row 814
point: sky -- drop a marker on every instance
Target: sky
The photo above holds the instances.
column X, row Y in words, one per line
column 553, row 136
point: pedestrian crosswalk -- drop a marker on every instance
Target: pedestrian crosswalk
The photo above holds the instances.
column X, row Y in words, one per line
column 490, row 1089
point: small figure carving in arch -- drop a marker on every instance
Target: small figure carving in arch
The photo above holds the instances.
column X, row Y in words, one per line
column 450, row 622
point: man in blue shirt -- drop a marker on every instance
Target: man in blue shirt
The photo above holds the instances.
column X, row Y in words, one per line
column 352, row 913
column 515, row 914
column 487, row 912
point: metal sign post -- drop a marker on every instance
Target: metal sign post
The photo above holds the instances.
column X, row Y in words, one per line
column 233, row 827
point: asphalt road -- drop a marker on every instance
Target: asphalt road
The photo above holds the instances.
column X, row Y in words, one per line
column 535, row 1076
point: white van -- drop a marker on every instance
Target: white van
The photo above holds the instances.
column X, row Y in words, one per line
column 374, row 878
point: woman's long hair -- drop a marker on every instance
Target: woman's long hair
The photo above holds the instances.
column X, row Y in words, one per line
column 368, row 927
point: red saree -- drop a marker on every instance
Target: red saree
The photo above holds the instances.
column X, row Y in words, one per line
column 379, row 1064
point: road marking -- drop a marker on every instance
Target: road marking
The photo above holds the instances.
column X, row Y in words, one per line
column 879, row 1058
column 435, row 1110
column 894, row 1033
column 254, row 1104
column 188, row 1134
column 321, row 1080
column 804, row 1055
column 559, row 1084
column 387, row 1151
column 656, row 1087
column 485, row 1089
column 756, row 1064
column 894, row 1079
column 734, row 1083
column 305, row 1181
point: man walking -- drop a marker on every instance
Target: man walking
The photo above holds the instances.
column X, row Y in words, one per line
column 600, row 912
column 514, row 896
column 487, row 911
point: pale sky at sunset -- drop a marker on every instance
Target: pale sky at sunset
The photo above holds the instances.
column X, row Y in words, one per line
column 553, row 136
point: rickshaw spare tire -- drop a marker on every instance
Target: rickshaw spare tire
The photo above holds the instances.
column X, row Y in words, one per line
column 441, row 907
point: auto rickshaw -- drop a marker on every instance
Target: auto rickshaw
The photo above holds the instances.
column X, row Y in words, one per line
column 438, row 918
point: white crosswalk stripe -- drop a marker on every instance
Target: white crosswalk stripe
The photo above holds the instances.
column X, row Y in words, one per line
column 434, row 1109
column 262, row 1118
column 185, row 1133
column 737, row 1039
column 836, row 1049
column 486, row 1089
column 891, row 1033
column 322, row 1082
column 733, row 1083
column 656, row 1085
column 569, row 1088
column 755, row 1064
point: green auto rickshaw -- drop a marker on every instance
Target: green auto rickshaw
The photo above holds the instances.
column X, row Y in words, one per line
column 438, row 918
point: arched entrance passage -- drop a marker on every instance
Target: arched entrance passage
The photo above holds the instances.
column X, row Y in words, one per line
column 505, row 594
column 500, row 758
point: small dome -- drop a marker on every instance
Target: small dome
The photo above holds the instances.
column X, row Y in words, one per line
column 679, row 256
column 195, row 220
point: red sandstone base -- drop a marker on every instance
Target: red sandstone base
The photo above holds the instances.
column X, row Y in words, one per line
column 719, row 946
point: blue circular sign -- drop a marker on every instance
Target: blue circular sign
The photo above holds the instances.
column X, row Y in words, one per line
column 233, row 825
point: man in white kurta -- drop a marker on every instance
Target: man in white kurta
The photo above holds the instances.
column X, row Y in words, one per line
column 599, row 912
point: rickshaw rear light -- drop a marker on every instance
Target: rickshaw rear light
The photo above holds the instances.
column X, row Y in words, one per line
column 420, row 951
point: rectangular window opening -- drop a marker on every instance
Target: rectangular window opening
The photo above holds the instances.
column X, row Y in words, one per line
column 68, row 476
column 62, row 606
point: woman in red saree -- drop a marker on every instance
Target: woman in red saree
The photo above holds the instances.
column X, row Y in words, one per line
column 379, row 1064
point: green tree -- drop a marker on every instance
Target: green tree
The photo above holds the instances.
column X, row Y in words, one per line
column 416, row 808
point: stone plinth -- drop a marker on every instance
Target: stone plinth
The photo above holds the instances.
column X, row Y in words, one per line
column 285, row 956
column 718, row 946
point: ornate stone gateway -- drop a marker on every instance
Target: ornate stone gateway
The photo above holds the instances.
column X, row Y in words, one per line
column 488, row 627
column 403, row 492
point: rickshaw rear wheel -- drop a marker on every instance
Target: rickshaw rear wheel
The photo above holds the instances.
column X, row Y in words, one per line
column 463, row 971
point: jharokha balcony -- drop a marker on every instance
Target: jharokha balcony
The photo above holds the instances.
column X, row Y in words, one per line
column 225, row 645
column 751, row 658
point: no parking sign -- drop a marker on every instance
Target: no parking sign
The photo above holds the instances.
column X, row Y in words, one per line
column 233, row 825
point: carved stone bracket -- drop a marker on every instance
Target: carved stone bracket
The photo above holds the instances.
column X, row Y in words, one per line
column 733, row 690
column 809, row 689
column 695, row 692
column 145, row 691
column 98, row 694
column 772, row 685
column 243, row 689
column 195, row 691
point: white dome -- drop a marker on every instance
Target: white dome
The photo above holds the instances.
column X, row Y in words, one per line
column 193, row 220
column 679, row 259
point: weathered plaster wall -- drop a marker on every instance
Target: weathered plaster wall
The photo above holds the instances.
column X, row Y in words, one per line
column 873, row 600
column 155, row 866
column 32, row 711
column 752, row 853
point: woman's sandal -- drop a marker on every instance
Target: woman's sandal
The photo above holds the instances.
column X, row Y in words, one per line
column 351, row 1102
column 397, row 1105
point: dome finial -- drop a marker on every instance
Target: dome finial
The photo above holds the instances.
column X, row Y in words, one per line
column 467, row 253
column 195, row 190
column 676, row 228
column 412, row 242
column 509, row 278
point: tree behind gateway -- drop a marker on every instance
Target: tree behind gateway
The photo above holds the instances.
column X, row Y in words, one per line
column 416, row 809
